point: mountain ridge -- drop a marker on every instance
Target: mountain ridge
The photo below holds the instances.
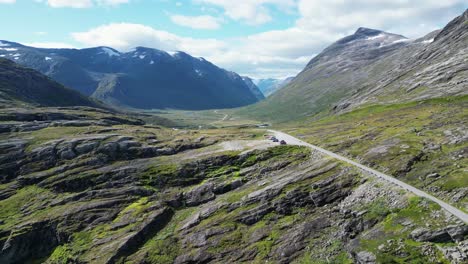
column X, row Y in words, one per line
column 145, row 77
column 372, row 67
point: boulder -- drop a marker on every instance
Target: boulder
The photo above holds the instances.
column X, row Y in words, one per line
column 426, row 235
column 365, row 257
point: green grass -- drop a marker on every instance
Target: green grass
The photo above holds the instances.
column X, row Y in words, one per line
column 29, row 198
column 402, row 132
column 419, row 212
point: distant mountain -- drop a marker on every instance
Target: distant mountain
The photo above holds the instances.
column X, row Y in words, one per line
column 269, row 86
column 253, row 88
column 373, row 66
column 142, row 78
column 20, row 85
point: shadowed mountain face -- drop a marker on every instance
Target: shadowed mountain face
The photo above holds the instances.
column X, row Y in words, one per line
column 373, row 66
column 20, row 85
column 253, row 87
column 142, row 78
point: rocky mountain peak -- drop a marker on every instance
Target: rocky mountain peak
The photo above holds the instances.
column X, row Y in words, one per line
column 459, row 23
column 367, row 32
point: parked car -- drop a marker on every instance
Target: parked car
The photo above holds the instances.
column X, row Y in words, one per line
column 282, row 142
column 275, row 140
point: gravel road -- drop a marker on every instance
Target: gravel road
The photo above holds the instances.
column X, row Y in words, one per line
column 295, row 141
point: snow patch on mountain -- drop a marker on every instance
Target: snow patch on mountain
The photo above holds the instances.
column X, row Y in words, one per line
column 110, row 52
column 47, row 58
column 428, row 41
column 173, row 53
column 142, row 56
column 8, row 49
column 3, row 44
column 151, row 62
column 376, row 37
column 400, row 40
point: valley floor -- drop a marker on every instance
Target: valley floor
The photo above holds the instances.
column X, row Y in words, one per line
column 81, row 185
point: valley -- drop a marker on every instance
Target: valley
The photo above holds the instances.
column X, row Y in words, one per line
column 147, row 156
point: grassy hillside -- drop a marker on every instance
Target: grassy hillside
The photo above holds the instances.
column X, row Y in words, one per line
column 423, row 143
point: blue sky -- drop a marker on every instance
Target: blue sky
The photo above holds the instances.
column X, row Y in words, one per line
column 259, row 38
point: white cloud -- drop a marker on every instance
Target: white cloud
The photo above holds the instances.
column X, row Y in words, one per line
column 82, row 3
column 399, row 16
column 257, row 55
column 7, row 1
column 125, row 36
column 70, row 3
column 51, row 45
column 197, row 22
column 280, row 53
column 254, row 12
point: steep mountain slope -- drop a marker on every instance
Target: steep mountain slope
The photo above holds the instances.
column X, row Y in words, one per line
column 434, row 68
column 20, row 85
column 143, row 78
column 253, row 87
column 372, row 66
column 269, row 86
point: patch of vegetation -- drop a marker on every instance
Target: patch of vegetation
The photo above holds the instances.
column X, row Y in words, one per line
column 408, row 140
column 159, row 175
column 28, row 199
column 393, row 245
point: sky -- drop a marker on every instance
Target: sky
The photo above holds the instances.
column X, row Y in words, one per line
column 257, row 38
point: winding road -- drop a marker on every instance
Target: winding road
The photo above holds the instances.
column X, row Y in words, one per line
column 295, row 141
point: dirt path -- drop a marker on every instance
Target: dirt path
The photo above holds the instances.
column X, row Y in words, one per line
column 295, row 141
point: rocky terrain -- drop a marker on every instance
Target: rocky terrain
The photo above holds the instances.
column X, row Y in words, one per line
column 423, row 143
column 143, row 78
column 81, row 182
column 82, row 185
column 373, row 67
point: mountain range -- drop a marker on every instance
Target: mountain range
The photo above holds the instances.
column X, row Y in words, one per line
column 270, row 85
column 373, row 66
column 367, row 168
column 142, row 78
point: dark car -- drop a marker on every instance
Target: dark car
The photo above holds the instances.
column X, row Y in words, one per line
column 275, row 140
column 282, row 142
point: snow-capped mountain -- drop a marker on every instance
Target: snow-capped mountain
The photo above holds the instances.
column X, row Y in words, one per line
column 141, row 78
column 372, row 66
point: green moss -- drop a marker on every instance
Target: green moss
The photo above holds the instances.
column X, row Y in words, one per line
column 159, row 175
column 393, row 138
column 53, row 133
column 62, row 255
column 30, row 198
column 377, row 209
column 163, row 251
